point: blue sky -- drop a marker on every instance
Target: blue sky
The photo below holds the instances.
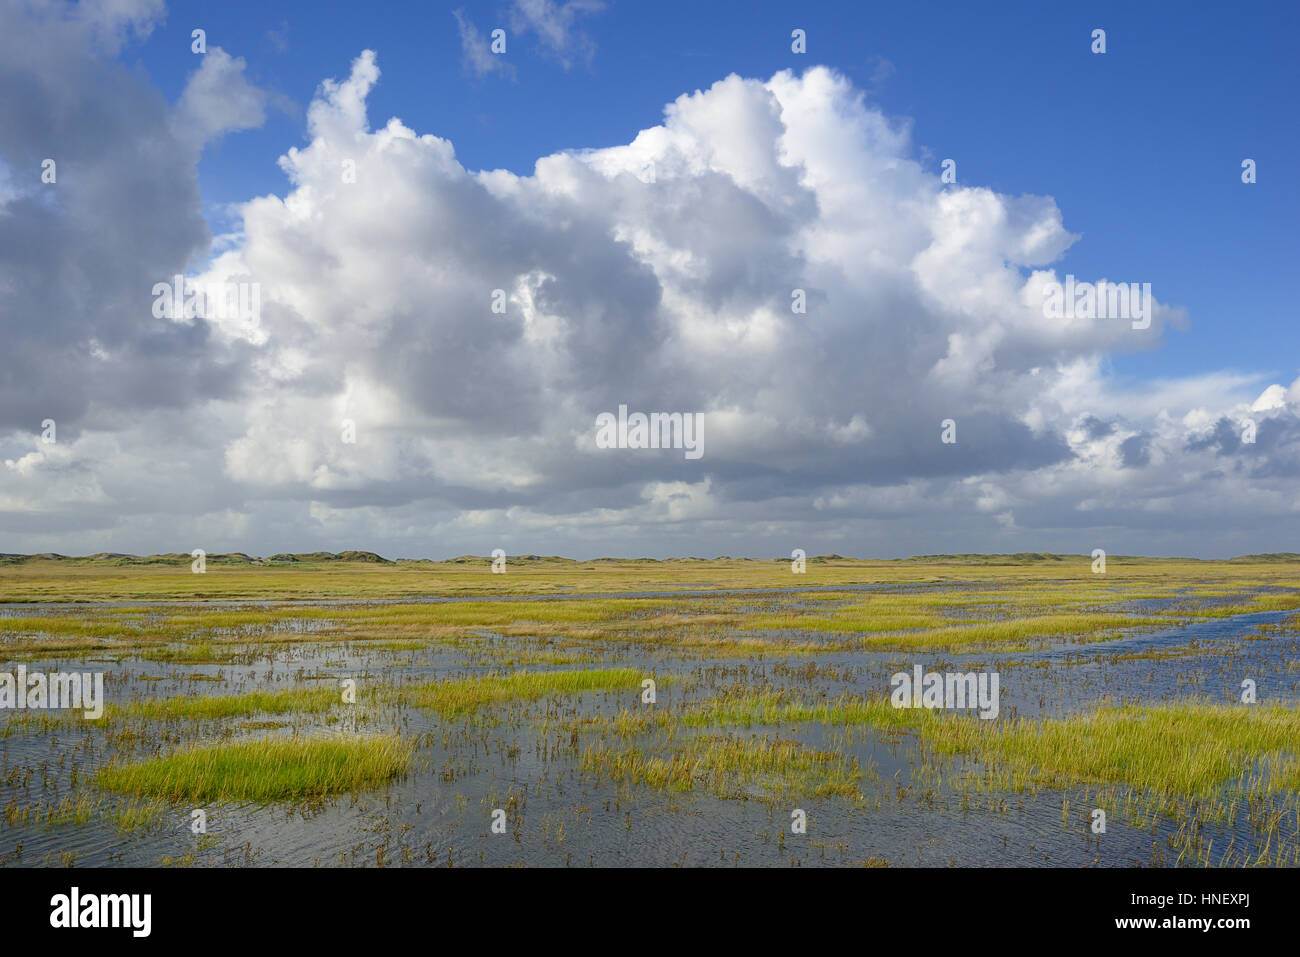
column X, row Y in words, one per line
column 1140, row 147
column 375, row 399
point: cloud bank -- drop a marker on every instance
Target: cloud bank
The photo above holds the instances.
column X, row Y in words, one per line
column 434, row 343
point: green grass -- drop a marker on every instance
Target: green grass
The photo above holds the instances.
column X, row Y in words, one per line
column 851, row 620
column 731, row 767
column 263, row 771
column 1011, row 603
column 199, row 652
column 469, row 695
column 1015, row 634
column 1266, row 602
column 778, row 708
column 296, row 700
column 1188, row 749
column 81, row 580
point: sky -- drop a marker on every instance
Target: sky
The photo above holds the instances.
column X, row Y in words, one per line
column 454, row 260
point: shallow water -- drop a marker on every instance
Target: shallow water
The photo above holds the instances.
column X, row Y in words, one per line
column 438, row 814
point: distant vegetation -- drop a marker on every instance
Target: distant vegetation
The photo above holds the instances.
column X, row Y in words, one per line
column 355, row 555
column 368, row 689
column 179, row 558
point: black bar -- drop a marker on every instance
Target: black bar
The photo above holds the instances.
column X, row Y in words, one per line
column 338, row 907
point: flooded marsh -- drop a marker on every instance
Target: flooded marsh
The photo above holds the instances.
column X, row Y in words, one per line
column 640, row 713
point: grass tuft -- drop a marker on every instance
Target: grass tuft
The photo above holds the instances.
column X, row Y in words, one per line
column 468, row 695
column 263, row 771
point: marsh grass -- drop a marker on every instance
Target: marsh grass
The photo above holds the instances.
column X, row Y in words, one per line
column 1015, row 634
column 1257, row 603
column 731, row 768
column 288, row 701
column 1191, row 762
column 1187, row 749
column 466, row 696
column 199, row 652
column 777, row 708
column 284, row 769
column 964, row 620
column 170, row 579
column 1008, row 602
column 851, row 620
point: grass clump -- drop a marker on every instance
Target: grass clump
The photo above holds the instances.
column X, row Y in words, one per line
column 1186, row 749
column 263, row 771
column 778, row 708
column 468, row 695
column 1189, row 748
column 294, row 700
column 1015, row 634
column 731, row 767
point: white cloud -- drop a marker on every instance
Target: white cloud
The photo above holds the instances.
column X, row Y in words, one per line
column 112, row 22
column 218, row 99
column 476, row 50
column 670, row 293
column 554, row 25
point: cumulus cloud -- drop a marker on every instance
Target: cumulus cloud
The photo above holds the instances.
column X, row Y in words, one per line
column 79, row 256
column 659, row 274
column 110, row 23
column 218, row 99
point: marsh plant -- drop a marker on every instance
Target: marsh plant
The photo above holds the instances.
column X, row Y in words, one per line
column 355, row 711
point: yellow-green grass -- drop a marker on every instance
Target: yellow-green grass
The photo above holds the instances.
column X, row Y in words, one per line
column 1267, row 602
column 780, row 708
column 1014, row 634
column 1018, row 603
column 469, row 695
column 199, row 652
column 80, row 809
column 204, row 627
column 42, row 580
column 65, row 625
column 38, row 722
column 1186, row 749
column 856, row 619
column 414, row 644
column 1008, row 619
column 283, row 769
column 287, row 701
column 731, row 767
column 502, row 657
column 1191, row 748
